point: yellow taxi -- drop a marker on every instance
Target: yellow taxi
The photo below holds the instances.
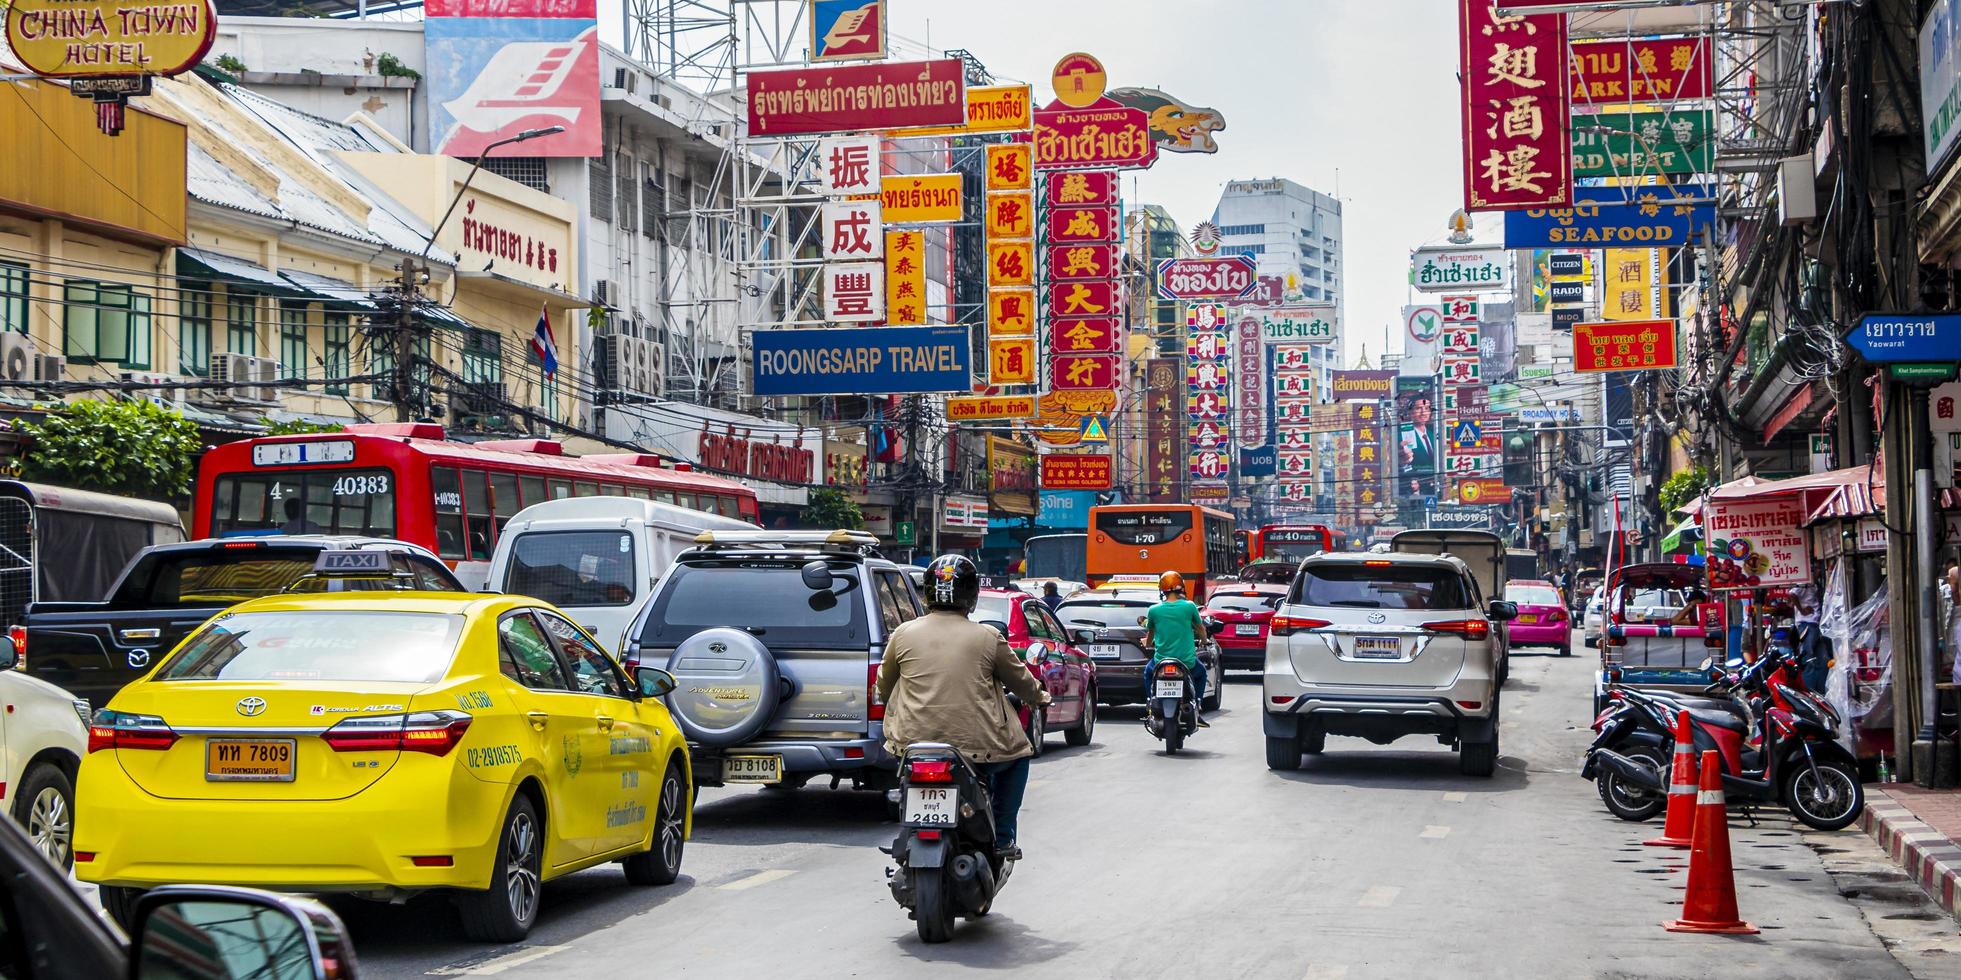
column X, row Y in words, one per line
column 380, row 744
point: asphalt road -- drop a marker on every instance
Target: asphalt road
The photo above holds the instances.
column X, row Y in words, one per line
column 1372, row 861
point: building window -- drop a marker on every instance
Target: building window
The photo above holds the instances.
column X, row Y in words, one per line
column 599, row 180
column 13, row 297
column 242, row 323
column 1243, row 250
column 106, row 323
column 548, row 398
column 338, row 337
column 194, row 332
column 1243, row 230
column 629, row 201
column 483, row 358
column 292, row 340
column 529, row 171
column 653, row 198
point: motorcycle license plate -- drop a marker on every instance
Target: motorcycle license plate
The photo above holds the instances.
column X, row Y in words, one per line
column 1247, row 630
column 933, row 806
column 1171, row 689
column 752, row 769
column 1105, row 651
column 1378, row 648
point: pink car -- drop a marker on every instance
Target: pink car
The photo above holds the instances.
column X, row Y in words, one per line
column 1542, row 619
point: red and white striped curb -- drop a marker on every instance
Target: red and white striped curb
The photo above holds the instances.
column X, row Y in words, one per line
column 1928, row 855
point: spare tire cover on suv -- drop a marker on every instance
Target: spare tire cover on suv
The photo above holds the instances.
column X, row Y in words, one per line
column 726, row 686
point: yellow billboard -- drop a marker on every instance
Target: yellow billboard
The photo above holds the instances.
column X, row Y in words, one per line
column 990, row 109
column 919, row 198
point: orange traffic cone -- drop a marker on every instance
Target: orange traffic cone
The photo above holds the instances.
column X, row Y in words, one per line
column 1709, row 905
column 1680, row 821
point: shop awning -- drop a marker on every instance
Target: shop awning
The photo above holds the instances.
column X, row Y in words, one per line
column 235, row 272
column 1818, row 483
column 1851, row 500
column 333, row 292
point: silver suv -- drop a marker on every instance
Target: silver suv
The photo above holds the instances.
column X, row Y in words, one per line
column 1381, row 646
column 774, row 639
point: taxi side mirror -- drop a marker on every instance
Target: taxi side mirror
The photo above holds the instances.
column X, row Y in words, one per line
column 654, row 682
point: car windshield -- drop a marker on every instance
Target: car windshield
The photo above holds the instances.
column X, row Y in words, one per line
column 324, row 645
column 1236, row 602
column 573, row 568
column 215, row 577
column 1532, row 595
column 1389, row 585
column 1268, row 573
column 1103, row 613
column 992, row 608
column 766, row 598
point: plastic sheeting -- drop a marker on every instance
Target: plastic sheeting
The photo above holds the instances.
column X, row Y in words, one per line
column 1861, row 681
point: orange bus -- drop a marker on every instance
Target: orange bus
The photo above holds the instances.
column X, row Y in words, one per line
column 1150, row 539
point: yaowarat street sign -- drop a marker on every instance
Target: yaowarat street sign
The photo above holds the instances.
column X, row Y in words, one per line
column 1895, row 338
column 1637, row 345
column 1517, row 151
column 70, row 39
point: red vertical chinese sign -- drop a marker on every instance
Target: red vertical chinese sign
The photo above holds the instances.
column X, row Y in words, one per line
column 1518, row 150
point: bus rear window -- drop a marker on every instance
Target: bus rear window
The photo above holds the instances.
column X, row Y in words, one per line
column 328, row 501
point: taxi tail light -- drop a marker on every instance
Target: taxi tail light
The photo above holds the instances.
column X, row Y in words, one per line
column 1470, row 629
column 122, row 730
column 1289, row 625
column 1556, row 616
column 930, row 771
column 876, row 711
column 431, row 732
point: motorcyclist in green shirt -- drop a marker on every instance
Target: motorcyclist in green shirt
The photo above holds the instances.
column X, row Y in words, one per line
column 1174, row 633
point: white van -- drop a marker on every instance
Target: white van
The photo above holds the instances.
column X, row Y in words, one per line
column 597, row 558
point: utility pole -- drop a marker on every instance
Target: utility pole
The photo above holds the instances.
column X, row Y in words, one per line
column 407, row 400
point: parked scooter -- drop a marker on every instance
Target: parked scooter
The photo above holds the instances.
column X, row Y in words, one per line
column 1794, row 759
column 947, row 865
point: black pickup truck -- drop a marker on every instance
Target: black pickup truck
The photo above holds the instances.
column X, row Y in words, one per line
column 94, row 648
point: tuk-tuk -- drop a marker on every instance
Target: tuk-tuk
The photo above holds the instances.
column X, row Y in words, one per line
column 1484, row 552
column 1580, row 591
column 1652, row 634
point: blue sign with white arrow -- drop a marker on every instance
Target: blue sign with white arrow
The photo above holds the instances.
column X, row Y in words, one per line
column 1893, row 338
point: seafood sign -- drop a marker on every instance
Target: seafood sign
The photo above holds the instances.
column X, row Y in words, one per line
column 835, row 99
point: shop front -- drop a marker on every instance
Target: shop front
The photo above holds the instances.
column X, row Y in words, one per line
column 963, row 525
column 1013, row 496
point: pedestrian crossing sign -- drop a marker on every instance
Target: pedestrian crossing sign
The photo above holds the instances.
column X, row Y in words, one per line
column 1095, row 429
column 1465, row 435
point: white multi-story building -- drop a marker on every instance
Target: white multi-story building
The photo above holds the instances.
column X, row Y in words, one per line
column 1294, row 232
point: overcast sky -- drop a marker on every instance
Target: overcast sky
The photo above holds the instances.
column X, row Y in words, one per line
column 1350, row 97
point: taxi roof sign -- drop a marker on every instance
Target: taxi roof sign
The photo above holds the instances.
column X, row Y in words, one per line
column 352, row 563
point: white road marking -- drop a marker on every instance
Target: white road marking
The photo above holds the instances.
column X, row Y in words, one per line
column 1326, row 971
column 1456, row 797
column 759, row 878
column 1379, row 897
column 493, row 967
column 1434, row 832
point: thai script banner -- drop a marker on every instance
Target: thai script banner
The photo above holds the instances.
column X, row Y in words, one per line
column 840, row 98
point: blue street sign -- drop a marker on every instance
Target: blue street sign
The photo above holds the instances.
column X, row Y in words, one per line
column 1892, row 338
column 1465, row 435
column 861, row 361
column 1643, row 225
column 1096, row 428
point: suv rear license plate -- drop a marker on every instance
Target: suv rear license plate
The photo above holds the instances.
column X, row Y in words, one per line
column 1247, row 629
column 932, row 806
column 752, row 769
column 249, row 760
column 1378, row 648
column 1105, row 651
column 1170, row 689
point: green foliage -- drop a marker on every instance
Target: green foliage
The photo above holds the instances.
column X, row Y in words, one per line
column 831, row 509
column 392, row 66
column 230, row 63
column 299, row 427
column 133, row 448
column 1683, row 487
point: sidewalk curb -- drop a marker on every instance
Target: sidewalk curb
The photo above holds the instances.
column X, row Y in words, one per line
column 1929, row 857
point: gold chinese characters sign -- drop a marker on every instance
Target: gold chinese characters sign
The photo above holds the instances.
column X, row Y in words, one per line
column 87, row 38
column 1518, row 152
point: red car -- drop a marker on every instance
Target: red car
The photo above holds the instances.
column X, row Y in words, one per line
column 1246, row 610
column 1052, row 656
column 1542, row 619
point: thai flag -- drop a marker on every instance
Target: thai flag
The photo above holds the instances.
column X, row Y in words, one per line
column 543, row 343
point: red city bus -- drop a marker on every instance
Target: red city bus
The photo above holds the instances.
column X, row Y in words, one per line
column 406, row 481
column 1293, row 542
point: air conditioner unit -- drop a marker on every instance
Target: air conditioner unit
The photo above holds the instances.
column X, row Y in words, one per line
column 49, row 367
column 266, row 370
column 167, row 397
column 480, row 398
column 632, row 365
column 17, row 357
column 247, row 378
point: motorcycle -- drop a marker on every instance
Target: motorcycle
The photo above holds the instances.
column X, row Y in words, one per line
column 1173, row 705
column 946, row 861
column 1795, row 758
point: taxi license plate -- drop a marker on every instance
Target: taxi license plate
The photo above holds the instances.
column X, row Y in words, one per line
column 932, row 805
column 1528, row 617
column 1251, row 629
column 1170, row 689
column 752, row 769
column 1378, row 648
column 249, row 760
column 1105, row 651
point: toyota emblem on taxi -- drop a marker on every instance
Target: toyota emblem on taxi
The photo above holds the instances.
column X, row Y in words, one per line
column 252, row 706
column 1377, row 617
